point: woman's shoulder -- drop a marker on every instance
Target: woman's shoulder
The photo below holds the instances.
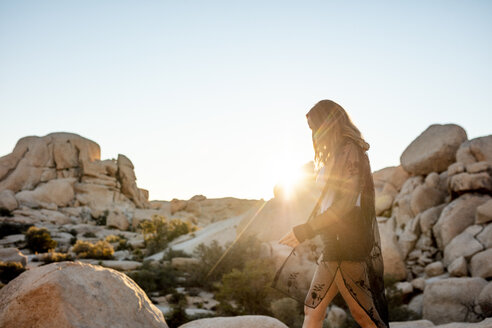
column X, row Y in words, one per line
column 349, row 150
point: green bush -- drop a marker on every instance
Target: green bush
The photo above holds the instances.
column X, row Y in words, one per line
column 155, row 277
column 209, row 256
column 177, row 316
column 9, row 271
column 248, row 291
column 101, row 220
column 159, row 231
column 289, row 311
column 101, row 250
column 120, row 241
column 39, row 240
column 170, row 253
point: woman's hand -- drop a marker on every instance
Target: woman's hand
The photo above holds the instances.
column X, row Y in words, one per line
column 289, row 239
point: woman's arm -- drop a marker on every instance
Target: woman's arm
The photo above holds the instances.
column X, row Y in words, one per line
column 345, row 181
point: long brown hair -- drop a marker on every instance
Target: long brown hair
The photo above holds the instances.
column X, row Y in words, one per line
column 330, row 125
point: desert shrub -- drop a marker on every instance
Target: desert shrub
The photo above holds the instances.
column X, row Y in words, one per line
column 288, row 311
column 248, row 291
column 9, row 271
column 39, row 240
column 137, row 255
column 159, row 231
column 177, row 316
column 170, row 253
column 101, row 220
column 101, row 250
column 209, row 256
column 155, row 277
column 52, row 256
column 120, row 241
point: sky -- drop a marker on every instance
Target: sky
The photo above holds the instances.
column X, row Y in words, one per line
column 210, row 97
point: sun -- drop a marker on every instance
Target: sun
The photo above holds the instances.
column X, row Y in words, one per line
column 289, row 180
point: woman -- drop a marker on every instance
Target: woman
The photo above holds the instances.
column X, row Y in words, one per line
column 345, row 221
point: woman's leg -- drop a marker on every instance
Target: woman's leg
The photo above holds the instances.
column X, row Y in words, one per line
column 355, row 272
column 313, row 318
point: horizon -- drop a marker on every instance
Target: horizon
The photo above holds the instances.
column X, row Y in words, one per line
column 211, row 99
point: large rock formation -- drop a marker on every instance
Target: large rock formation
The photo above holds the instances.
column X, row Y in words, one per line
column 37, row 166
column 71, row 294
column 434, row 149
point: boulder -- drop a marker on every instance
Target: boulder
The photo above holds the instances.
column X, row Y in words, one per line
column 336, row 317
column 416, row 304
column 387, row 183
column 455, row 168
column 486, row 323
column 485, row 236
column 475, row 150
column 467, row 182
column 418, row 283
column 434, row 269
column 485, row 300
column 452, row 300
column 478, row 167
column 392, row 257
column 44, row 215
column 7, row 200
column 121, row 265
column 12, row 254
column 411, row 324
column 383, row 202
column 465, row 244
column 127, row 178
column 481, row 264
column 458, row 268
column 117, row 220
column 425, row 197
column 177, row 205
column 404, row 287
column 484, row 213
column 54, row 217
column 429, row 217
column 73, row 294
column 96, row 197
column 244, row 321
column 408, row 238
column 433, row 150
column 58, row 192
column 456, row 217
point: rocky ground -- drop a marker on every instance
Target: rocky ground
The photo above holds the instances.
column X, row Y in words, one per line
column 434, row 213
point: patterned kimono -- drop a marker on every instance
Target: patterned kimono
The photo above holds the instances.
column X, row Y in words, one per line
column 342, row 229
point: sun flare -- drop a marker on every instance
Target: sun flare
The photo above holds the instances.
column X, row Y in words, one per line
column 289, row 179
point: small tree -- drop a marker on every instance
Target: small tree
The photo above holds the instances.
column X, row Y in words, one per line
column 248, row 291
column 159, row 231
column 39, row 240
column 101, row 250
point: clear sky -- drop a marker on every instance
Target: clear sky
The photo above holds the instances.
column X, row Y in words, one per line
column 210, row 97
